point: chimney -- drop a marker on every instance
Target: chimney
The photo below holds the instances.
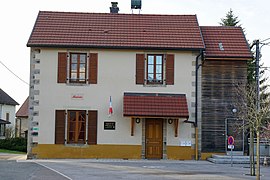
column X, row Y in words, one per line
column 114, row 8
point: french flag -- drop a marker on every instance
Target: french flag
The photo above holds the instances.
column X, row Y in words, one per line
column 110, row 108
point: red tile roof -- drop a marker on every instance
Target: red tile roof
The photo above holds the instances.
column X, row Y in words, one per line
column 23, row 111
column 155, row 105
column 106, row 30
column 225, row 42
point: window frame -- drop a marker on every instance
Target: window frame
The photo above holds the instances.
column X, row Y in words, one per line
column 155, row 81
column 78, row 65
column 77, row 132
column 7, row 116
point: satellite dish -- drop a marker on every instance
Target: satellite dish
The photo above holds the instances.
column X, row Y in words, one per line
column 136, row 4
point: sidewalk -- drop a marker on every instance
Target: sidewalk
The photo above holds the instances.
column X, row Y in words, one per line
column 8, row 156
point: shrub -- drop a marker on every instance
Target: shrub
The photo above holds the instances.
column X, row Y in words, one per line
column 14, row 144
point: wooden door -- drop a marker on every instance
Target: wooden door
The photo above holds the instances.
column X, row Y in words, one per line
column 154, row 139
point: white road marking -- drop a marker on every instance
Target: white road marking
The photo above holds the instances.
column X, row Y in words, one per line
column 53, row 170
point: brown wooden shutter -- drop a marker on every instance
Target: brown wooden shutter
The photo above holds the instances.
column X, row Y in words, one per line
column 93, row 68
column 92, row 127
column 60, row 127
column 139, row 68
column 62, row 67
column 170, row 69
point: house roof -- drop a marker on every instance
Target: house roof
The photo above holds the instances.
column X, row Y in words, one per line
column 4, row 122
column 6, row 99
column 155, row 105
column 111, row 30
column 23, row 111
column 225, row 42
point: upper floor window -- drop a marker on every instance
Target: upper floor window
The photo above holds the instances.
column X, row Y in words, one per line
column 155, row 69
column 7, row 116
column 79, row 68
column 78, row 65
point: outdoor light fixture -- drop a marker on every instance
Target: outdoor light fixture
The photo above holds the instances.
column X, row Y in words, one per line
column 137, row 120
column 170, row 121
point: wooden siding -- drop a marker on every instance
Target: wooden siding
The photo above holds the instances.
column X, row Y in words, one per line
column 218, row 94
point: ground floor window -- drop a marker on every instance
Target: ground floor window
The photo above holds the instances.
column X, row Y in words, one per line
column 75, row 127
column 2, row 129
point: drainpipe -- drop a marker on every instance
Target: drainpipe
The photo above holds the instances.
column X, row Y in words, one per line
column 197, row 66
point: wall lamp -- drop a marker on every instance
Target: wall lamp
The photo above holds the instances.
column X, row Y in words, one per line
column 170, row 121
column 137, row 120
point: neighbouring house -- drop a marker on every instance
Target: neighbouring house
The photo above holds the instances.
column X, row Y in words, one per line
column 109, row 85
column 7, row 114
column 22, row 120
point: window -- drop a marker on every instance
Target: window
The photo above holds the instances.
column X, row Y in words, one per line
column 7, row 117
column 78, row 64
column 76, row 127
column 155, row 69
column 82, row 68
column 2, row 130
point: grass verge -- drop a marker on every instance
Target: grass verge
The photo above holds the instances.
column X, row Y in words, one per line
column 11, row 152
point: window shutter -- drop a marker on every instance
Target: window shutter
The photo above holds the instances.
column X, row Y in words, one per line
column 139, row 68
column 62, row 67
column 60, row 127
column 92, row 127
column 93, row 68
column 170, row 69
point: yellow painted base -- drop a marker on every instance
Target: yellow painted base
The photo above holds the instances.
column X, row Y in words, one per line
column 47, row 151
column 204, row 156
column 92, row 151
column 180, row 152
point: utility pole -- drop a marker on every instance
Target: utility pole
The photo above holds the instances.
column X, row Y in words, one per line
column 258, row 108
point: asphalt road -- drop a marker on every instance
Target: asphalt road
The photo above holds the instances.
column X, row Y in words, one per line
column 17, row 168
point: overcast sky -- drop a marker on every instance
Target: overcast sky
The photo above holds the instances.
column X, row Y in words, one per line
column 17, row 19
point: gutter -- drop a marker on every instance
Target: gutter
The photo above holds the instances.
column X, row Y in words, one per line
column 196, row 104
column 197, row 66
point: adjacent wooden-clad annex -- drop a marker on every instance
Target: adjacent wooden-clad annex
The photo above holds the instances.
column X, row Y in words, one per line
column 224, row 66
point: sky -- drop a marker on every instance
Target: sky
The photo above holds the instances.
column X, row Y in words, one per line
column 17, row 19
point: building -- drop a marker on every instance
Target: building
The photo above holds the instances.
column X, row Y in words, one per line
column 22, row 120
column 7, row 114
column 109, row 85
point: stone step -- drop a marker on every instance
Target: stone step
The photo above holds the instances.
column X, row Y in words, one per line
column 225, row 159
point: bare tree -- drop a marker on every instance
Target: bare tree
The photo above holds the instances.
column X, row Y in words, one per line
column 255, row 119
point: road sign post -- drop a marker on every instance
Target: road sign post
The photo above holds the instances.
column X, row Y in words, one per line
column 231, row 146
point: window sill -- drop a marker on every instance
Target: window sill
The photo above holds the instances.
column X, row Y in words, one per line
column 76, row 145
column 154, row 85
column 77, row 84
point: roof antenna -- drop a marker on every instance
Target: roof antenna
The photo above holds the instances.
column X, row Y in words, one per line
column 136, row 4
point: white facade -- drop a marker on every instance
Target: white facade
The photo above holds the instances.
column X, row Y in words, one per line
column 116, row 75
column 7, row 112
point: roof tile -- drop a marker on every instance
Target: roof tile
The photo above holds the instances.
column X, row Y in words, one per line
column 155, row 105
column 231, row 39
column 116, row 30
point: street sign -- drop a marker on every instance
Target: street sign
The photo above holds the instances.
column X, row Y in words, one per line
column 230, row 146
column 230, row 140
